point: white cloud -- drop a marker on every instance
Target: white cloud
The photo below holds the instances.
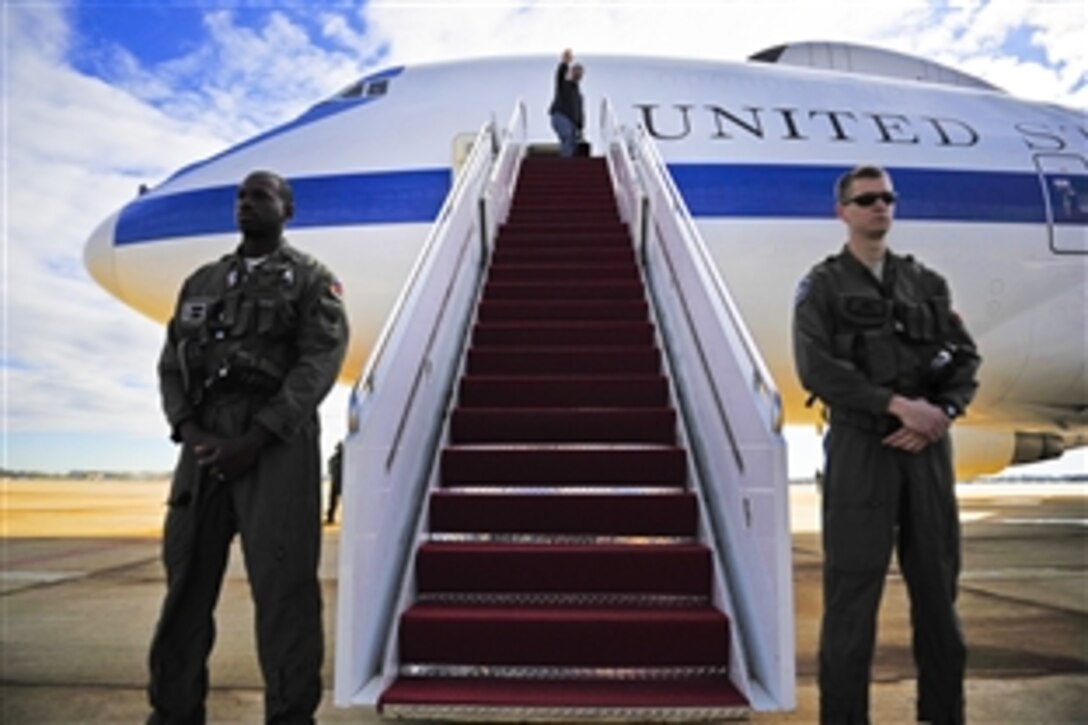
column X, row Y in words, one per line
column 976, row 37
column 77, row 146
column 69, row 155
column 241, row 80
column 970, row 36
column 722, row 30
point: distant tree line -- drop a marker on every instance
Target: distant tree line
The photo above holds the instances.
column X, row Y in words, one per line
column 1013, row 478
column 79, row 475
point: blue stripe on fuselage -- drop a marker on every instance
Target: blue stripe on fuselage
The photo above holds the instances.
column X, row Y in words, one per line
column 382, row 198
column 767, row 190
column 710, row 190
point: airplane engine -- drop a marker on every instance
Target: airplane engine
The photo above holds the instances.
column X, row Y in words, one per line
column 981, row 451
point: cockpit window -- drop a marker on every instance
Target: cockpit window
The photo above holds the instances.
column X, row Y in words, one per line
column 353, row 91
column 372, row 87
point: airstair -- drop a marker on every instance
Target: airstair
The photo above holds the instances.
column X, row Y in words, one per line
column 547, row 518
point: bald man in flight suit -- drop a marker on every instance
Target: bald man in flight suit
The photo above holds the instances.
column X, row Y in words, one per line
column 255, row 344
column 876, row 340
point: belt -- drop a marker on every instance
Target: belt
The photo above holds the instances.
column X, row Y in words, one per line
column 879, row 424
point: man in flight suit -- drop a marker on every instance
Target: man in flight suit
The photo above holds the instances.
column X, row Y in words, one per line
column 875, row 339
column 255, row 344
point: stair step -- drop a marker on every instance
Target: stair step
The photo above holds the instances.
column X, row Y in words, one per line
column 564, row 186
column 551, row 273
column 567, row 489
column 563, row 189
column 567, row 255
column 596, row 180
column 565, row 222
column 587, row 204
column 615, row 333
column 574, row 425
column 583, row 164
column 675, row 514
column 703, row 699
column 510, row 391
column 487, row 567
column 641, row 360
column 657, row 465
column 613, row 600
column 581, row 218
column 587, row 173
column 566, row 291
column 563, row 672
column 563, row 241
column 547, row 539
column 535, row 235
column 587, row 310
column 542, row 195
column 564, row 636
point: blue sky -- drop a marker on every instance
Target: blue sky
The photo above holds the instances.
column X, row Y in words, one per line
column 102, row 96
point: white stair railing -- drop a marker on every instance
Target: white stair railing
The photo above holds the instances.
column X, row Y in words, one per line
column 730, row 408
column 398, row 406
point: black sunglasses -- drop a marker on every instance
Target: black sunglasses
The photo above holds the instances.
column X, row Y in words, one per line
column 870, row 198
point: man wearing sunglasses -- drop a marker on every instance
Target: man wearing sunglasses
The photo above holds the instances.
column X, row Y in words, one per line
column 876, row 340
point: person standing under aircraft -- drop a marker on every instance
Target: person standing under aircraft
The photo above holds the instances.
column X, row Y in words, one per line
column 255, row 343
column 566, row 109
column 336, row 482
column 875, row 338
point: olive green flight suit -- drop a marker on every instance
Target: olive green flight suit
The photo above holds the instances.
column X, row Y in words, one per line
column 244, row 347
column 858, row 341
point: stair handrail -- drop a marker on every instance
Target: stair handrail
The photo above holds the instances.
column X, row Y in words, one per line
column 621, row 169
column 499, row 192
column 366, row 379
column 726, row 395
column 398, row 403
column 761, row 379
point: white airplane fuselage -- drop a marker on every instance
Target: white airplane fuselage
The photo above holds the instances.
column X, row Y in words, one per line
column 993, row 194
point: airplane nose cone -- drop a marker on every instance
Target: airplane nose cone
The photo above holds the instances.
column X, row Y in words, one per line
column 98, row 255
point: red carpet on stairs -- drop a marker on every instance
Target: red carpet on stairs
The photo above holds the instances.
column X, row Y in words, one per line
column 563, row 579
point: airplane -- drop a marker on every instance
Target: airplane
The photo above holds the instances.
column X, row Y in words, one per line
column 994, row 194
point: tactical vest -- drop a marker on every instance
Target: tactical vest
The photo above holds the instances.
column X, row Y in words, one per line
column 236, row 328
column 895, row 331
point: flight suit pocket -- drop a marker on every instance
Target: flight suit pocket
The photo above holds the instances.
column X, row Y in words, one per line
column 857, row 538
column 276, row 316
column 844, row 345
column 941, row 309
column 243, row 321
column 880, row 361
column 286, row 315
column 178, row 531
column 868, row 321
column 917, row 321
column 266, row 316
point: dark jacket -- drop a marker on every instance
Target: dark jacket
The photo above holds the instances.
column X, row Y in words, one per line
column 859, row 340
column 568, row 97
column 276, row 335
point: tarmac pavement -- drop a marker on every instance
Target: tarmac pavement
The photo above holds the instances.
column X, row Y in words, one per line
column 81, row 584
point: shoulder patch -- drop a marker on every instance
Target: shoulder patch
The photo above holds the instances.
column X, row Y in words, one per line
column 801, row 293
column 194, row 311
